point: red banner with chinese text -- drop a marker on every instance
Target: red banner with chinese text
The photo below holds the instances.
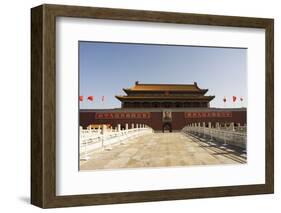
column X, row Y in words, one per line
column 122, row 115
column 208, row 114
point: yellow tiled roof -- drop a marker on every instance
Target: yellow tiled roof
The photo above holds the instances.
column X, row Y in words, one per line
column 164, row 97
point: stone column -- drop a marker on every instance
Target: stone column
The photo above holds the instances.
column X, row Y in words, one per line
column 118, row 127
column 126, row 126
column 217, row 125
column 232, row 126
column 137, row 125
column 103, row 130
column 132, row 126
column 210, row 131
column 204, row 126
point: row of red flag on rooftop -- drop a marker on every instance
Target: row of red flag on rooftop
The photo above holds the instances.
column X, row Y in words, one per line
column 90, row 98
column 234, row 98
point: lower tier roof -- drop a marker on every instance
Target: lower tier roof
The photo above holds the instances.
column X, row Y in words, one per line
column 165, row 98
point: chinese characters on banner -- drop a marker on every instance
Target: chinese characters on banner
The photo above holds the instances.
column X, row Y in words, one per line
column 208, row 114
column 123, row 115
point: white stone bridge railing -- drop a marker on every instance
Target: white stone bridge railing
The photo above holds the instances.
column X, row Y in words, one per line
column 103, row 138
column 230, row 135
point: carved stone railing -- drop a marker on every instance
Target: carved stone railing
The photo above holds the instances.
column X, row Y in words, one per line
column 104, row 138
column 227, row 135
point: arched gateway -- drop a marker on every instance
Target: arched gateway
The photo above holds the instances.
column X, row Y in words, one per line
column 167, row 127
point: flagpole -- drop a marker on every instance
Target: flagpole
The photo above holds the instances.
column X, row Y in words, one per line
column 234, row 98
column 102, row 99
column 241, row 100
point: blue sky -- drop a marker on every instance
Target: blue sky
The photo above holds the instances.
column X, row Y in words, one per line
column 106, row 68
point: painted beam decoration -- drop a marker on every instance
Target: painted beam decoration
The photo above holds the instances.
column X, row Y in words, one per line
column 208, row 114
column 123, row 115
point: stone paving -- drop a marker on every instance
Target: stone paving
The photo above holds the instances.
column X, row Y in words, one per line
column 162, row 150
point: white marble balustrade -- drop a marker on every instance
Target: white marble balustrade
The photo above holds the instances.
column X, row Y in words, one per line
column 228, row 135
column 104, row 138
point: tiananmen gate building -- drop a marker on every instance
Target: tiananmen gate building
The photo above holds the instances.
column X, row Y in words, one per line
column 164, row 106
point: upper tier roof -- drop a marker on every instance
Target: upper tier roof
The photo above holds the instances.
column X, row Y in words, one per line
column 166, row 87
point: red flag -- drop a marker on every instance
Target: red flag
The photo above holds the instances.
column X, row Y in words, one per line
column 90, row 98
column 241, row 99
column 234, row 98
column 102, row 98
column 80, row 98
column 224, row 99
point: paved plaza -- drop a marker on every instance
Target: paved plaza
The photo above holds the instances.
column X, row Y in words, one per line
column 163, row 150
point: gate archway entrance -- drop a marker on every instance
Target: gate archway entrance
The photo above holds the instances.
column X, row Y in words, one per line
column 167, row 127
